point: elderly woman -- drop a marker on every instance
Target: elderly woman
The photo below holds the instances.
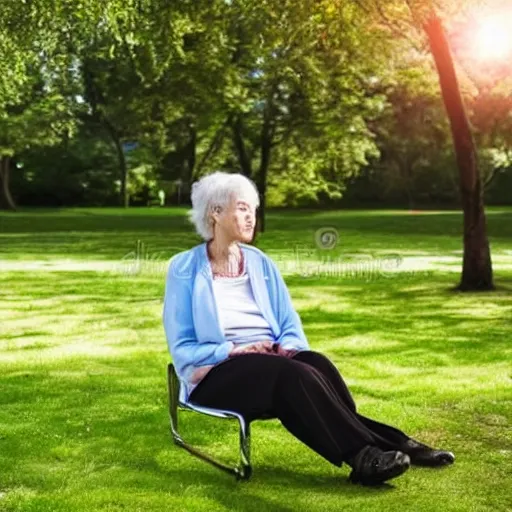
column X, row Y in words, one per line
column 237, row 343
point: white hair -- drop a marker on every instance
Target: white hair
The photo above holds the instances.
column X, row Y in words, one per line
column 217, row 190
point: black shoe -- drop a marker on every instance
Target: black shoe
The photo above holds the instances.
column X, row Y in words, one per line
column 372, row 466
column 423, row 455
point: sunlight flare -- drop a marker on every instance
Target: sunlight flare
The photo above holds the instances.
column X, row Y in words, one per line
column 493, row 39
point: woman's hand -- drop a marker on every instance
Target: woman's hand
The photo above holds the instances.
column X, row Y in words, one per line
column 260, row 347
column 285, row 352
column 199, row 373
column 263, row 347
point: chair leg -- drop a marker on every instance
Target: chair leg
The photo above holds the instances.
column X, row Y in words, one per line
column 244, row 470
column 174, row 390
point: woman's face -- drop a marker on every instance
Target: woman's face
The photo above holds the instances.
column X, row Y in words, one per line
column 237, row 222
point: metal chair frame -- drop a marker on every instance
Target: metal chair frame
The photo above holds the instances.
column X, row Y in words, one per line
column 243, row 470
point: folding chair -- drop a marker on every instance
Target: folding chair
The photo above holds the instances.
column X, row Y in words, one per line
column 244, row 469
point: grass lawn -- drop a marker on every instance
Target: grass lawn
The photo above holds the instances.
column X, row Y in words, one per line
column 83, row 404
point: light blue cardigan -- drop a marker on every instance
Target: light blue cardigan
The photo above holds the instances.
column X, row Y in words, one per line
column 191, row 318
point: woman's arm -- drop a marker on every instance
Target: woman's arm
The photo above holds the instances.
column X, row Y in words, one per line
column 179, row 327
column 292, row 336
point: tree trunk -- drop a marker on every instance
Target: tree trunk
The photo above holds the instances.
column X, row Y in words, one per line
column 6, row 197
column 190, row 156
column 406, row 172
column 410, row 200
column 238, row 139
column 215, row 145
column 123, row 169
column 266, row 148
column 246, row 166
column 125, row 198
column 262, row 191
column 477, row 267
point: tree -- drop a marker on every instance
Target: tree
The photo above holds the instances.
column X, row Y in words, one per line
column 400, row 17
column 111, row 90
column 37, row 88
column 123, row 66
column 117, row 49
column 295, row 85
column 413, row 137
column 477, row 267
column 38, row 114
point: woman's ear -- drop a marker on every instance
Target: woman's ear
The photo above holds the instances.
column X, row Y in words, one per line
column 215, row 212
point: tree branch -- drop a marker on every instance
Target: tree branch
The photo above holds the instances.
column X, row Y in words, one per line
column 491, row 177
column 215, row 144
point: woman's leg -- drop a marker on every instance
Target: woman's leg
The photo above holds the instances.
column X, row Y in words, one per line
column 293, row 391
column 394, row 438
column 330, row 372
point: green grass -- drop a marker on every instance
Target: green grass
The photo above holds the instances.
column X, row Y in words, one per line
column 83, row 405
column 110, row 234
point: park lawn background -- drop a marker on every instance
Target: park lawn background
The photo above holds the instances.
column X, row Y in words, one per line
column 83, row 403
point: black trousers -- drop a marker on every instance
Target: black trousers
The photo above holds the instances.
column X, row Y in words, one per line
column 305, row 392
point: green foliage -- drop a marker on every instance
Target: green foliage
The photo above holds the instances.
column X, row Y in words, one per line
column 79, row 171
column 316, row 90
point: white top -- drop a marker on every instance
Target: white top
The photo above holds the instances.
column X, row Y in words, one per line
column 239, row 315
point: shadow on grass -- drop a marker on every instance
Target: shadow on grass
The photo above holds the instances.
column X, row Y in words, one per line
column 425, row 359
column 426, row 323
column 101, row 425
